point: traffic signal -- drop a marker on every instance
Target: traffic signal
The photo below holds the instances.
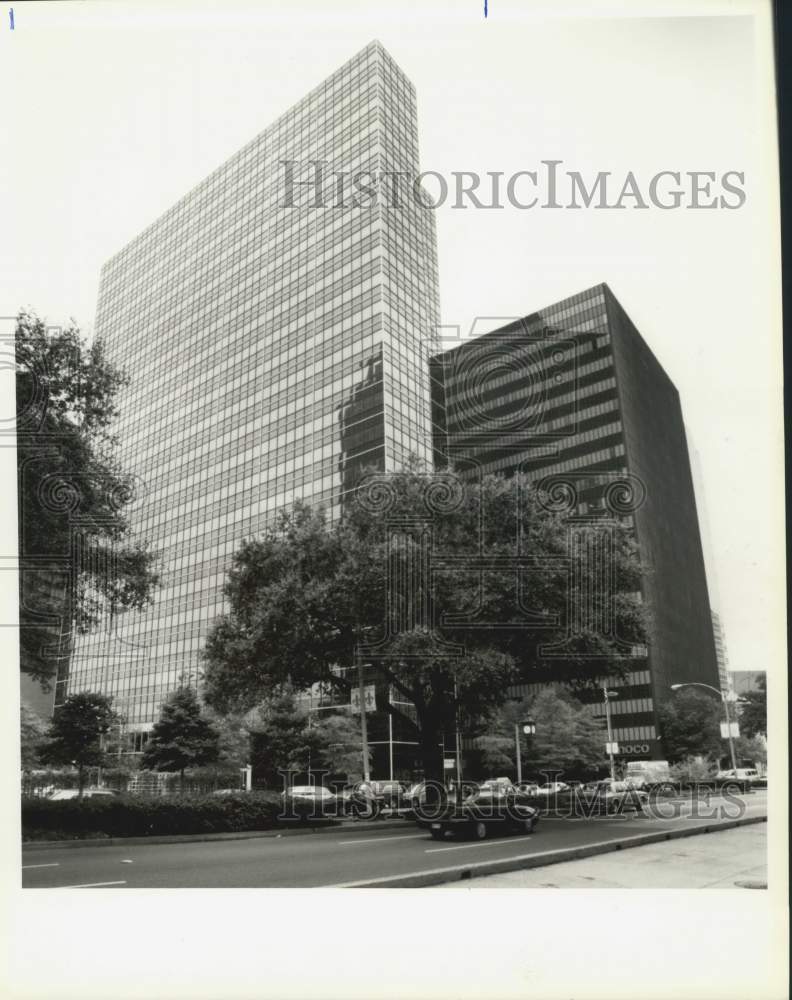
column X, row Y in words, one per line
column 529, row 727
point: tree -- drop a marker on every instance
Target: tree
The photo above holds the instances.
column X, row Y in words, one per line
column 690, row 725
column 753, row 710
column 306, row 596
column 340, row 743
column 77, row 563
column 753, row 748
column 32, row 729
column 182, row 738
column 569, row 738
column 76, row 732
column 282, row 739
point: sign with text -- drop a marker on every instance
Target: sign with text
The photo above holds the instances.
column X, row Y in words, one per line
column 735, row 730
column 611, row 748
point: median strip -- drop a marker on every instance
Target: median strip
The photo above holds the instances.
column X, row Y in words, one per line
column 437, row 876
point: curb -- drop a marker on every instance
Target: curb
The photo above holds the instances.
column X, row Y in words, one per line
column 193, row 838
column 437, row 876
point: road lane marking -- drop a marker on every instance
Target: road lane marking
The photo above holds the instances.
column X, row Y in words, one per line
column 54, row 864
column 86, row 885
column 480, row 843
column 379, row 840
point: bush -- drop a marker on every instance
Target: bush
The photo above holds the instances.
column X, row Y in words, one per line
column 139, row 816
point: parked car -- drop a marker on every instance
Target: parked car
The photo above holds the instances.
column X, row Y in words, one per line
column 614, row 796
column 741, row 774
column 88, row 793
column 429, row 797
column 487, row 811
column 497, row 784
column 527, row 787
column 388, row 794
column 311, row 799
column 552, row 788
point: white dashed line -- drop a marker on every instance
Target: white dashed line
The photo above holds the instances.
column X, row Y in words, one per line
column 54, row 864
column 87, row 885
column 379, row 840
column 480, row 843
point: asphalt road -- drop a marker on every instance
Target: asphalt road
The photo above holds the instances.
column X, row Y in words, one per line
column 331, row 857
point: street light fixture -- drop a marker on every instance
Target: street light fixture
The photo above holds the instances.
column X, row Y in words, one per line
column 725, row 700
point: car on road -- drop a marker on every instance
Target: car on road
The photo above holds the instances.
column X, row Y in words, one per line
column 528, row 787
column 490, row 810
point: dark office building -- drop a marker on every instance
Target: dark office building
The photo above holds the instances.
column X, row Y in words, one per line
column 573, row 397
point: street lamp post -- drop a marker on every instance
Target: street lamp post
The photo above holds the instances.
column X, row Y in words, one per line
column 725, row 700
column 519, row 755
column 607, row 695
column 528, row 727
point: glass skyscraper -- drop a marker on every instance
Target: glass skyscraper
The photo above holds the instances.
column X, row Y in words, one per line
column 277, row 331
column 573, row 397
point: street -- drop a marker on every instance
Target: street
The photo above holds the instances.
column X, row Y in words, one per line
column 333, row 857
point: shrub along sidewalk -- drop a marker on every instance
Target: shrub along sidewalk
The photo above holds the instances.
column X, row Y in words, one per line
column 138, row 816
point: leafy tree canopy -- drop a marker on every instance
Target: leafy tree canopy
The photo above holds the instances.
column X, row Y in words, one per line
column 690, row 725
column 182, row 738
column 77, row 562
column 569, row 738
column 307, row 595
column 32, row 730
column 753, row 710
column 75, row 734
column 287, row 739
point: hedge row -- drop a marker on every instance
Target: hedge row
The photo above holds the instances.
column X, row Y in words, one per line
column 139, row 816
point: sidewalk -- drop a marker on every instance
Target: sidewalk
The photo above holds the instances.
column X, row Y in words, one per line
column 711, row 861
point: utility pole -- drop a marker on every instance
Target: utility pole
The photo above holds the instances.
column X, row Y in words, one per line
column 390, row 746
column 363, row 721
column 725, row 698
column 458, row 738
column 607, row 695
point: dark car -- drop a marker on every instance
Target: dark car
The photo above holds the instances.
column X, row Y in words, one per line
column 485, row 812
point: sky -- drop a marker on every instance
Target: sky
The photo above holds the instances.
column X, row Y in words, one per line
column 126, row 108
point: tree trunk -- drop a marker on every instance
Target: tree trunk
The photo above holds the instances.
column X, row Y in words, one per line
column 80, row 780
column 431, row 751
column 181, row 782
